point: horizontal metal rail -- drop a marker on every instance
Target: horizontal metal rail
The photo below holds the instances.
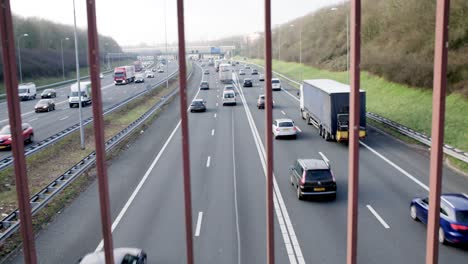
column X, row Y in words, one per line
column 11, row 223
column 418, row 136
column 8, row 161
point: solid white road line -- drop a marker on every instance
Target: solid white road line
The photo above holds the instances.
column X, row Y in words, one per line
column 287, row 230
column 324, row 158
column 208, row 161
column 378, row 217
column 283, row 112
column 143, row 180
column 235, row 189
column 411, row 177
column 212, row 132
column 63, row 118
column 298, row 129
column 199, row 221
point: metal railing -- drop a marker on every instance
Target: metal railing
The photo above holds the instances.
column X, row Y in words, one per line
column 11, row 223
column 22, row 189
column 411, row 133
column 31, row 149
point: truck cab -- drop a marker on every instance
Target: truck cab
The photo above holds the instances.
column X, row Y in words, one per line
column 86, row 96
column 27, row 91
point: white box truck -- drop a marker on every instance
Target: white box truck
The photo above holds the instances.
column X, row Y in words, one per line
column 86, row 96
column 27, row 91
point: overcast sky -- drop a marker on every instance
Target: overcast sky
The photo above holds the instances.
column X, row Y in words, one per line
column 131, row 22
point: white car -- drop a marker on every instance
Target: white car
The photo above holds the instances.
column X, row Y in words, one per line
column 149, row 74
column 275, row 84
column 229, row 97
column 284, row 127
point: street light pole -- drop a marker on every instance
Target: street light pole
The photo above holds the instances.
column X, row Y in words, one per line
column 19, row 55
column 165, row 33
column 82, row 142
column 63, row 64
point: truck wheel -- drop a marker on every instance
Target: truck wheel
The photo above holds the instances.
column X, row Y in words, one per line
column 320, row 131
column 302, row 115
column 328, row 137
column 71, row 105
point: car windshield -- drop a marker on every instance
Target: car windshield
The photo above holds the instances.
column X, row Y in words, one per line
column 5, row 130
column 119, row 74
column 23, row 90
column 75, row 94
column 43, row 102
column 275, row 81
column 286, row 124
column 229, row 88
column 318, row 175
column 197, row 103
column 262, row 97
column 462, row 216
column 47, row 91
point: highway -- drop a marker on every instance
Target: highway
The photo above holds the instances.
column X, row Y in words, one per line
column 48, row 123
column 228, row 192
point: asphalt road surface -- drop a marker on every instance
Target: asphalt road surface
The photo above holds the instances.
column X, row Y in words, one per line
column 228, row 192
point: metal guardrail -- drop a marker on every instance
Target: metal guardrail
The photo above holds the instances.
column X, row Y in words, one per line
column 8, row 161
column 420, row 137
column 11, row 223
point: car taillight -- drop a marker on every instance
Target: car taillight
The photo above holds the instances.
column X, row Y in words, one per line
column 459, row 227
column 303, row 178
column 294, row 128
column 277, row 129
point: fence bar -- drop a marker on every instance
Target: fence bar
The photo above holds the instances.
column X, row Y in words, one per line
column 269, row 137
column 354, row 109
column 185, row 134
column 437, row 131
column 17, row 145
column 98, row 123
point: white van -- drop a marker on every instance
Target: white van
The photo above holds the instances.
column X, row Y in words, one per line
column 86, row 96
column 27, row 91
column 275, row 84
column 229, row 97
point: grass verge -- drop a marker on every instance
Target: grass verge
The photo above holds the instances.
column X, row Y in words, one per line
column 409, row 106
column 64, row 154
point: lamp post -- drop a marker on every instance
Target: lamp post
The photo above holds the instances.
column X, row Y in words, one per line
column 80, row 114
column 347, row 40
column 19, row 55
column 300, row 47
column 63, row 64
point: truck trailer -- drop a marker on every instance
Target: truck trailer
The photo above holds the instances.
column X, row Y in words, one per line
column 124, row 74
column 325, row 104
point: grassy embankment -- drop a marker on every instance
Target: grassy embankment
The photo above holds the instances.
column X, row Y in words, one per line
column 409, row 106
column 64, row 154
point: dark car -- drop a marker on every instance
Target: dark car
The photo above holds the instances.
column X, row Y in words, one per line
column 204, row 86
column 254, row 72
column 5, row 135
column 247, row 83
column 453, row 216
column 121, row 256
column 198, row 105
column 49, row 93
column 44, row 105
column 312, row 177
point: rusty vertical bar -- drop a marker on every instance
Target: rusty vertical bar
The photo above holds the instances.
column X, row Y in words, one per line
column 185, row 134
column 437, row 132
column 354, row 109
column 98, row 124
column 269, row 137
column 17, row 145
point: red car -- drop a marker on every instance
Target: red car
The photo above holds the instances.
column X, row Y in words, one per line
column 5, row 135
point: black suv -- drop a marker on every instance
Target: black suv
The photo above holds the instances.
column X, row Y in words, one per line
column 312, row 177
column 247, row 83
column 204, row 86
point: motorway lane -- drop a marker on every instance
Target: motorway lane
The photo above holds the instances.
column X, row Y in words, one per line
column 77, row 228
column 381, row 186
column 47, row 124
